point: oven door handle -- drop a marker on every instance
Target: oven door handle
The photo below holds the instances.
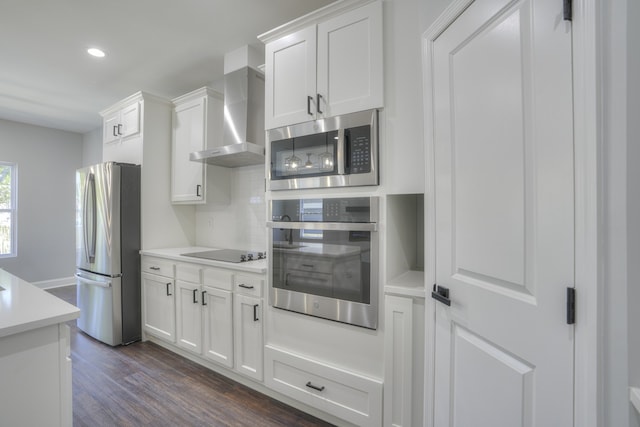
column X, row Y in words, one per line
column 339, row 226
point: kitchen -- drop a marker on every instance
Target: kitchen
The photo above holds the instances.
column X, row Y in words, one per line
column 403, row 112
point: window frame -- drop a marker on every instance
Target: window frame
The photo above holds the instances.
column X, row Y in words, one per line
column 12, row 210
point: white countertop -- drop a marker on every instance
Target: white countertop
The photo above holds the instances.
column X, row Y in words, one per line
column 24, row 307
column 257, row 266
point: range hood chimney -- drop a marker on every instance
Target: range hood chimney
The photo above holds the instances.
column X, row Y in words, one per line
column 243, row 130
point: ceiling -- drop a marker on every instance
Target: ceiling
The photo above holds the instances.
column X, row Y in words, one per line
column 163, row 47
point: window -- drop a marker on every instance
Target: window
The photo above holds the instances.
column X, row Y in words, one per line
column 8, row 197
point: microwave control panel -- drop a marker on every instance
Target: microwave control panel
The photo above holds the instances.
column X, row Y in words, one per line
column 359, row 149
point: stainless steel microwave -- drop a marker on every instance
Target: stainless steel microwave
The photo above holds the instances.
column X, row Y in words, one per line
column 337, row 151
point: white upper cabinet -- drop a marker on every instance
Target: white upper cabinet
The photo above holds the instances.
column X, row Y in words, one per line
column 329, row 67
column 350, row 62
column 197, row 125
column 121, row 123
column 290, row 93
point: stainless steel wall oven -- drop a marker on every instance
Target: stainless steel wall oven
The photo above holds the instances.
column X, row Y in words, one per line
column 323, row 256
column 337, row 151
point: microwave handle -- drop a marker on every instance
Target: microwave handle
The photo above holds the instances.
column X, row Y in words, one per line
column 347, row 151
column 341, row 152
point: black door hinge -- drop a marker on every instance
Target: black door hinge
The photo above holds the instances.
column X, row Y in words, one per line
column 571, row 306
column 567, row 9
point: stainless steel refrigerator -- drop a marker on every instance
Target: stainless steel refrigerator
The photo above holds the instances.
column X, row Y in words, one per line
column 107, row 252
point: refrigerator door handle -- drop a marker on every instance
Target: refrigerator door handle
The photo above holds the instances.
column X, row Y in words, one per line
column 93, row 282
column 90, row 197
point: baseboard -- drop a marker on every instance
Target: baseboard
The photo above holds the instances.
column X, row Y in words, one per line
column 55, row 283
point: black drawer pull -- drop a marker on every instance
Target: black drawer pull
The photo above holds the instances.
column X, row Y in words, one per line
column 168, row 291
column 255, row 312
column 315, row 387
column 204, row 302
column 154, row 268
column 242, row 285
column 195, row 296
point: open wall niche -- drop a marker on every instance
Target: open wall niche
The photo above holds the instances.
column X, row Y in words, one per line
column 405, row 244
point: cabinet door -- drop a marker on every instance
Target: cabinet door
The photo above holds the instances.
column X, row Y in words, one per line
column 218, row 325
column 350, row 67
column 290, row 79
column 247, row 313
column 188, row 316
column 158, row 306
column 187, row 177
column 130, row 120
column 110, row 128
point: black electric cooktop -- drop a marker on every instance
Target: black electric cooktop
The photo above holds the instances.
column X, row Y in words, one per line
column 228, row 255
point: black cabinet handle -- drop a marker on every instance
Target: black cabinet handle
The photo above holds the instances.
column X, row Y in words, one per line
column 198, row 187
column 154, row 268
column 440, row 293
column 242, row 285
column 318, row 98
column 119, row 129
column 195, row 296
column 309, row 99
column 168, row 291
column 315, row 387
column 114, row 130
column 255, row 312
column 203, row 299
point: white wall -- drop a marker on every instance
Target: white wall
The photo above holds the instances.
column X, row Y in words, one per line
column 240, row 224
column 92, row 147
column 615, row 352
column 633, row 198
column 47, row 160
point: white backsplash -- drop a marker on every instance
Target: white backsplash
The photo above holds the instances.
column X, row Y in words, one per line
column 241, row 223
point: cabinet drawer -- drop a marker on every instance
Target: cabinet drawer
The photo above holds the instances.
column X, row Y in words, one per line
column 188, row 273
column 352, row 397
column 159, row 266
column 248, row 285
column 217, row 278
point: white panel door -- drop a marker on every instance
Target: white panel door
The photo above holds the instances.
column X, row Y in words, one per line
column 158, row 306
column 350, row 68
column 187, row 177
column 130, row 120
column 504, row 216
column 290, row 79
column 248, row 336
column 188, row 316
column 218, row 325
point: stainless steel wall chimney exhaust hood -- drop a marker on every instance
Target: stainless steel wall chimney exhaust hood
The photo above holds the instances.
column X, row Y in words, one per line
column 243, row 131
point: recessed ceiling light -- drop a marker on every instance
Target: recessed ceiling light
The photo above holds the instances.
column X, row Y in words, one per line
column 95, row 52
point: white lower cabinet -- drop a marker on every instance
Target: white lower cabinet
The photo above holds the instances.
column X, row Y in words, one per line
column 404, row 355
column 217, row 314
column 248, row 336
column 158, row 306
column 218, row 325
column 344, row 394
column 189, row 316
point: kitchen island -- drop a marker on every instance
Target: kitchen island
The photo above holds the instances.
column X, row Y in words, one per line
column 35, row 355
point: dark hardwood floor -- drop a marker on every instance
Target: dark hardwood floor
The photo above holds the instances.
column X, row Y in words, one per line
column 143, row 384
